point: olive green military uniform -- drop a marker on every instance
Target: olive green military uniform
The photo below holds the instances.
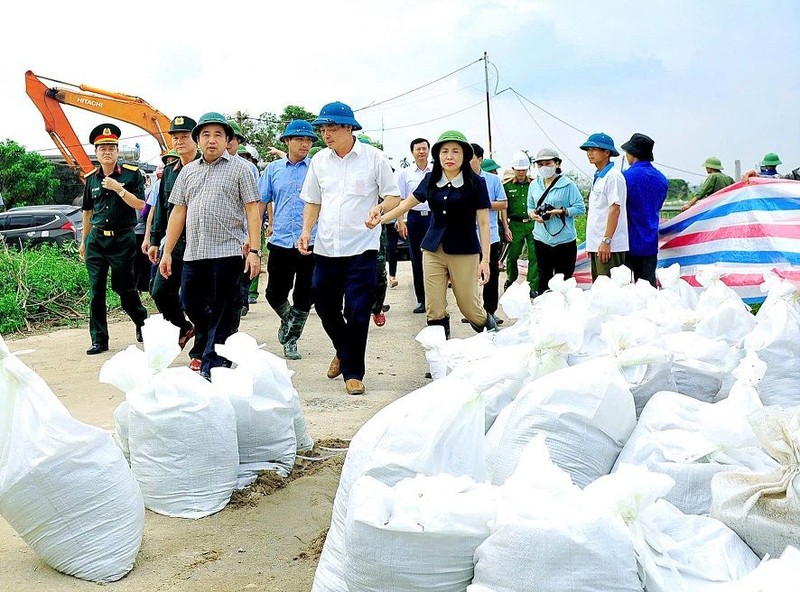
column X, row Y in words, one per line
column 521, row 227
column 166, row 291
column 111, row 244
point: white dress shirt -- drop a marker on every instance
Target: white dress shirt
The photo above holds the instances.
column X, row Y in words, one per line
column 346, row 189
column 408, row 180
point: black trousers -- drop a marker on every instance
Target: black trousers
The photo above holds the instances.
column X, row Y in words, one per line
column 553, row 260
column 643, row 267
column 491, row 288
column 289, row 271
column 417, row 227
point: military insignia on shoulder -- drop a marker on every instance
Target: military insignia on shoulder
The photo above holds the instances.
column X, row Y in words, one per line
column 130, row 167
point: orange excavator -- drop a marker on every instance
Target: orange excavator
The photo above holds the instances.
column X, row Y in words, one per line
column 119, row 106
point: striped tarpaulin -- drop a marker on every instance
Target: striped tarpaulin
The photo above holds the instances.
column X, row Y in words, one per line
column 744, row 230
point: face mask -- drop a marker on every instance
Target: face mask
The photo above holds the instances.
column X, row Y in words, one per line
column 547, row 171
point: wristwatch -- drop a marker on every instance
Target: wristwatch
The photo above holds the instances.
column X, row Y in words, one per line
column 607, row 240
column 121, row 192
column 256, row 251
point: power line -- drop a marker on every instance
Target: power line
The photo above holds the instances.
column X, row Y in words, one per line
column 386, row 129
column 541, row 129
column 408, row 92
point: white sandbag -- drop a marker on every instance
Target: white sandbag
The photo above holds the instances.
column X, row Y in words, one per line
column 121, row 429
column 545, row 538
column 691, row 441
column 65, row 487
column 586, row 412
column 772, row 575
column 700, row 364
column 432, row 338
column 776, row 340
column 182, row 433
column 764, row 508
column 675, row 551
column 721, row 312
column 438, row 428
column 672, row 285
column 420, row 534
column 272, row 380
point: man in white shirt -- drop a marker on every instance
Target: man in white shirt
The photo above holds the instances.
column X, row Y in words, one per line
column 418, row 217
column 607, row 220
column 342, row 191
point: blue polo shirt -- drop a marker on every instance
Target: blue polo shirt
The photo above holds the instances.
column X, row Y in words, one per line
column 647, row 190
column 494, row 186
column 280, row 184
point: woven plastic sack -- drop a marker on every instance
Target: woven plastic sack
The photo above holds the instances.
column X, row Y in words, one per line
column 65, row 487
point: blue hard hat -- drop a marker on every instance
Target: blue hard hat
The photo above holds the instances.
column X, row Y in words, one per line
column 298, row 128
column 334, row 113
column 602, row 141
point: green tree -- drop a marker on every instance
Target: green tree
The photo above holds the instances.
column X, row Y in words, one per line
column 26, row 178
column 263, row 131
column 677, row 189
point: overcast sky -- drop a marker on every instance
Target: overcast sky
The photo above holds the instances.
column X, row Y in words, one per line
column 701, row 78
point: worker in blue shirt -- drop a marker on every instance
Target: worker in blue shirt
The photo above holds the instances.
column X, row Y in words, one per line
column 647, row 190
column 287, row 269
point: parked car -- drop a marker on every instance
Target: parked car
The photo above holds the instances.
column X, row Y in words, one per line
column 36, row 225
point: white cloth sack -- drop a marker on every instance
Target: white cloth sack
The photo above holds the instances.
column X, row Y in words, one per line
column 675, row 551
column 419, row 534
column 586, row 412
column 772, row 575
column 65, row 487
column 264, row 417
column 545, row 538
column 776, row 340
column 764, row 508
column 691, row 441
column 181, row 432
column 438, row 428
column 272, row 380
column 700, row 364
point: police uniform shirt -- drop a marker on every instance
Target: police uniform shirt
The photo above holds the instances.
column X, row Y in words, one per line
column 110, row 212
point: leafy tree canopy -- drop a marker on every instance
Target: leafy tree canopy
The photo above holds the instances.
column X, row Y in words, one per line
column 26, row 178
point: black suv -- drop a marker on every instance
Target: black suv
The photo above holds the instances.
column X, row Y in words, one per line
column 29, row 226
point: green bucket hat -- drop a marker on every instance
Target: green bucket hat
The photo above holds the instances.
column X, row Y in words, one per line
column 770, row 160
column 209, row 118
column 489, row 165
column 169, row 155
column 237, row 130
column 712, row 162
column 313, row 151
column 453, row 136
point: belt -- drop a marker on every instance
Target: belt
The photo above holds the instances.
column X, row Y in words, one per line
column 105, row 232
column 419, row 213
column 519, row 219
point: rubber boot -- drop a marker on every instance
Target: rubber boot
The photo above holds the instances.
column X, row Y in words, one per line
column 283, row 312
column 490, row 325
column 297, row 321
column 444, row 323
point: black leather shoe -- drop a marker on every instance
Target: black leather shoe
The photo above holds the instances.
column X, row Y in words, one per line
column 420, row 309
column 97, row 348
column 139, row 333
column 386, row 307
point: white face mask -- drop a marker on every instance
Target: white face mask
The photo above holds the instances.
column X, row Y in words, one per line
column 547, row 171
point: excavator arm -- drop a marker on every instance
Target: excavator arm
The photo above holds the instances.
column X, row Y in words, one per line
column 119, row 106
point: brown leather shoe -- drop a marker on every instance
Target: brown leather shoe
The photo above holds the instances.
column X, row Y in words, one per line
column 354, row 386
column 334, row 369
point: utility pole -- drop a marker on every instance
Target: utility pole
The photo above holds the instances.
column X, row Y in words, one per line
column 488, row 111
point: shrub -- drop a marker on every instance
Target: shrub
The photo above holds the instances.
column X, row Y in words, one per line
column 44, row 286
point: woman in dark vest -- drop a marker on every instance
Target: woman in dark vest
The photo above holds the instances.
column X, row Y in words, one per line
column 451, row 249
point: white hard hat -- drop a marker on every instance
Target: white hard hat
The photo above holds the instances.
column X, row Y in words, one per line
column 252, row 151
column 520, row 161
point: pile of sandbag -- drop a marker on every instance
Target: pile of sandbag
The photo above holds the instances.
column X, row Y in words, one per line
column 629, row 445
column 65, row 487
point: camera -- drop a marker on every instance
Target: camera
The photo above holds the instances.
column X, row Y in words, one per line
column 543, row 211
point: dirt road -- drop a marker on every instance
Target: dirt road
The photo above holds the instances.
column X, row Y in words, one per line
column 269, row 542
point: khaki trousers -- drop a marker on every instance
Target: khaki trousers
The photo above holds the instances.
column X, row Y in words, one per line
column 462, row 271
